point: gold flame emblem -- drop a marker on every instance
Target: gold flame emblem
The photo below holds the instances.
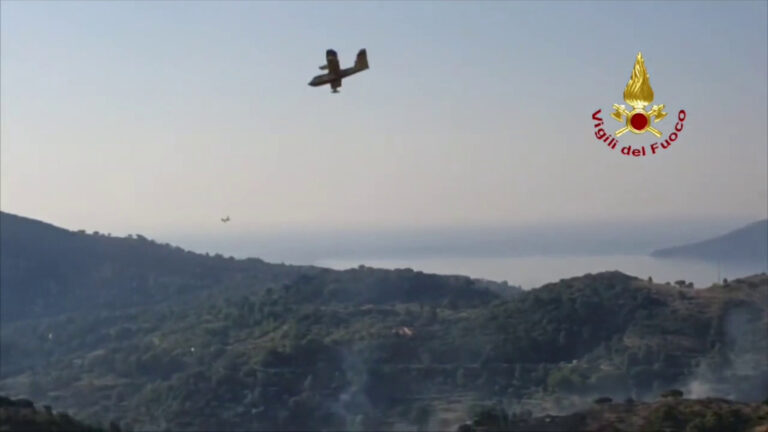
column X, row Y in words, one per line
column 638, row 94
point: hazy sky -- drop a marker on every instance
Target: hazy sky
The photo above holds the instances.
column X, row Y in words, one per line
column 164, row 116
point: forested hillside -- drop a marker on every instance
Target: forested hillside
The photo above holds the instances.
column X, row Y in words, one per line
column 47, row 271
column 271, row 360
column 364, row 348
column 670, row 412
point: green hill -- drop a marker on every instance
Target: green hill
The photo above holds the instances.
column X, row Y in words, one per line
column 665, row 414
column 363, row 348
column 268, row 361
column 48, row 271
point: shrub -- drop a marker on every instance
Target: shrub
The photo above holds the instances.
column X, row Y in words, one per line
column 672, row 394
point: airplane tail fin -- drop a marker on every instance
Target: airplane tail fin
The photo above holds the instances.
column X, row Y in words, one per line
column 361, row 62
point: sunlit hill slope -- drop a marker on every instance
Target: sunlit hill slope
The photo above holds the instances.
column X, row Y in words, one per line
column 224, row 344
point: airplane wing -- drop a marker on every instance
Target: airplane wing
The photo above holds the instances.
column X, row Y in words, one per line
column 332, row 61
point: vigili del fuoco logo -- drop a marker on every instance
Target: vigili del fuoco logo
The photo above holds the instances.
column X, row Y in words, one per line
column 638, row 94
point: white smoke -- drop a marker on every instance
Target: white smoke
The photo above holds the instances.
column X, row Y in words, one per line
column 738, row 367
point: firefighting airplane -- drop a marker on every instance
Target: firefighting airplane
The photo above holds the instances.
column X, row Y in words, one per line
column 335, row 74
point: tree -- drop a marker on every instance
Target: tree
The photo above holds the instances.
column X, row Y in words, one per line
column 731, row 421
column 672, row 394
column 489, row 417
column 564, row 380
column 450, row 304
column 667, row 418
column 465, row 427
column 421, row 416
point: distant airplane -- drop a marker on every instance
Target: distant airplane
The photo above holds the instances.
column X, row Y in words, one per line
column 335, row 74
column 225, row 219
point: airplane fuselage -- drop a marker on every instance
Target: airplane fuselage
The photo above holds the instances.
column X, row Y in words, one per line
column 328, row 78
column 334, row 73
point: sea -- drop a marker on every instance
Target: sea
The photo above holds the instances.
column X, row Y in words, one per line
column 534, row 271
column 527, row 257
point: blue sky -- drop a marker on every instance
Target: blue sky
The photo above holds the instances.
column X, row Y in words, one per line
column 162, row 116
